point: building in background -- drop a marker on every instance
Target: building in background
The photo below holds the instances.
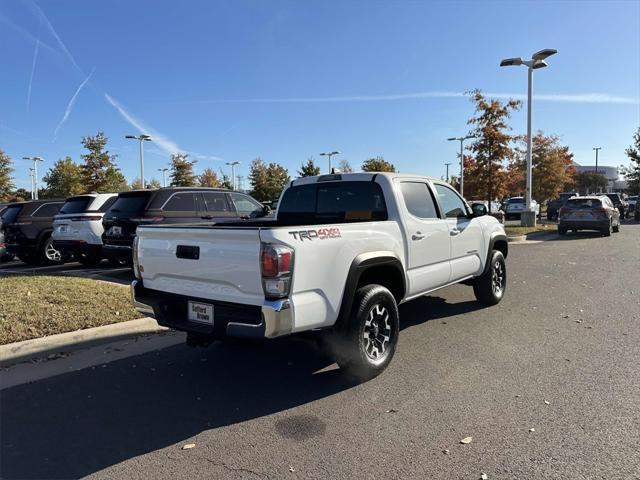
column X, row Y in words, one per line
column 615, row 183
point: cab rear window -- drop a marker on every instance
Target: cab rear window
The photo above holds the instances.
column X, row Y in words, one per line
column 334, row 202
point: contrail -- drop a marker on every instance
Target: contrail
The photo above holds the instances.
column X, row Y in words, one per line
column 572, row 98
column 67, row 112
column 33, row 68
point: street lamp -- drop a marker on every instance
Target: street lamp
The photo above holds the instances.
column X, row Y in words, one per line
column 537, row 61
column 461, row 140
column 142, row 138
column 164, row 178
column 329, row 154
column 31, row 177
column 597, row 149
column 447, row 164
column 233, row 173
column 34, row 188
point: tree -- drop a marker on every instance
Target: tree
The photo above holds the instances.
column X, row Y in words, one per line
column 208, row 178
column 310, row 169
column 20, row 195
column 590, row 182
column 182, row 171
column 6, row 182
column 99, row 171
column 344, row 166
column 267, row 181
column 226, row 181
column 154, row 183
column 492, row 147
column 632, row 172
column 552, row 166
column 136, row 184
column 64, row 179
column 377, row 164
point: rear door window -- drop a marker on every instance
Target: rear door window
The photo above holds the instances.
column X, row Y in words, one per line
column 418, row 199
column 76, row 205
column 47, row 210
column 216, row 202
column 181, row 202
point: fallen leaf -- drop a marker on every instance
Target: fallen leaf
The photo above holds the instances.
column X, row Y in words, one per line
column 466, row 440
column 578, row 321
column 446, row 451
column 565, row 316
column 547, row 402
column 484, row 476
column 291, row 469
column 532, row 429
column 188, row 446
column 391, row 410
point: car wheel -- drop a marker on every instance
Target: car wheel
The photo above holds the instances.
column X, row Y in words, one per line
column 50, row 254
column 607, row 230
column 489, row 287
column 562, row 231
column 616, row 228
column 89, row 259
column 369, row 339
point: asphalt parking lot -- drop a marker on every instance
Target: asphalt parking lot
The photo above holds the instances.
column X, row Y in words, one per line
column 121, row 275
column 547, row 385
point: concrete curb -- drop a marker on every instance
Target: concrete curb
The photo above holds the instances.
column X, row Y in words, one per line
column 78, row 339
column 516, row 238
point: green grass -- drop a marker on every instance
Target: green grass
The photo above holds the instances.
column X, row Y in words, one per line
column 527, row 230
column 35, row 306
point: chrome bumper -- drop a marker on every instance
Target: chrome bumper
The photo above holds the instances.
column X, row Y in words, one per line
column 277, row 318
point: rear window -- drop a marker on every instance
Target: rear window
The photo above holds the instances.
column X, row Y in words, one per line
column 130, row 204
column 516, row 200
column 10, row 213
column 334, row 202
column 584, row 203
column 47, row 210
column 76, row 205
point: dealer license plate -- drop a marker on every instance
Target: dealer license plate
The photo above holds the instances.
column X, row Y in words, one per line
column 200, row 312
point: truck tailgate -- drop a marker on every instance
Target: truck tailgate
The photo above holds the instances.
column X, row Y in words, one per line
column 227, row 267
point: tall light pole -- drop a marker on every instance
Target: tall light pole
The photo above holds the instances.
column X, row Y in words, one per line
column 233, row 173
column 447, row 165
column 461, row 140
column 164, row 176
column 597, row 149
column 31, row 178
column 34, row 188
column 329, row 154
column 142, row 138
column 537, row 61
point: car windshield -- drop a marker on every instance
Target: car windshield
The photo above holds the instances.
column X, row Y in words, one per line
column 75, row 205
column 584, row 203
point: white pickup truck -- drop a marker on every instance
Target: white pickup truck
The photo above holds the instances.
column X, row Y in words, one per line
column 343, row 251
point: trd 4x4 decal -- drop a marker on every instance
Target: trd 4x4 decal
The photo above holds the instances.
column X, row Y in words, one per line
column 321, row 234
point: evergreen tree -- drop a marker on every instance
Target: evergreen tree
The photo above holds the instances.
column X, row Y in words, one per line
column 99, row 171
column 267, row 181
column 182, row 171
column 632, row 172
column 6, row 182
column 377, row 164
column 309, row 169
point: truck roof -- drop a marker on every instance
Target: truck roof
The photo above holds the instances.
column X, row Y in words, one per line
column 355, row 177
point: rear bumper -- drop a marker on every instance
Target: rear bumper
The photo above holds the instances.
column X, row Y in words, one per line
column 118, row 251
column 76, row 246
column 584, row 224
column 273, row 319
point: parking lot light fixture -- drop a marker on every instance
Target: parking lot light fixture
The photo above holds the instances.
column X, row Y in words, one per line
column 329, row 154
column 34, row 183
column 461, row 140
column 141, row 138
column 164, row 175
column 233, row 173
column 537, row 61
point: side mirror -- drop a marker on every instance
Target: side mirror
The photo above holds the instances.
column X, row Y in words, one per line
column 266, row 209
column 478, row 209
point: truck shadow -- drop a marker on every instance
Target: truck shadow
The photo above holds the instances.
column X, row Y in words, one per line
column 76, row 424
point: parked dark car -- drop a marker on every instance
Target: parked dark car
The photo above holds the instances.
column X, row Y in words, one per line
column 589, row 213
column 170, row 205
column 27, row 228
column 620, row 203
column 554, row 206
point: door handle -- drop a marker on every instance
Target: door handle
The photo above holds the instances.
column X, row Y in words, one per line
column 454, row 231
column 207, row 217
column 417, row 236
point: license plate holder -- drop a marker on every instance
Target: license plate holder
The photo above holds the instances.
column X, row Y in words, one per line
column 200, row 312
column 115, row 231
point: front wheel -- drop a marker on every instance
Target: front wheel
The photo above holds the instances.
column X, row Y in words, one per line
column 367, row 344
column 489, row 288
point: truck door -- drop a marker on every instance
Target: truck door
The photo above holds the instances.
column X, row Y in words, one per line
column 428, row 242
column 467, row 244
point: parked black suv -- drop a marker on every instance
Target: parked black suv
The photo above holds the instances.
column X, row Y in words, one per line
column 170, row 205
column 554, row 206
column 27, row 228
column 620, row 203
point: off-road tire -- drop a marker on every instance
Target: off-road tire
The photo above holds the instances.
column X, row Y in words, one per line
column 367, row 340
column 490, row 287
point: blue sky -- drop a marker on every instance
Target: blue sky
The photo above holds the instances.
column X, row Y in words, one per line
column 285, row 80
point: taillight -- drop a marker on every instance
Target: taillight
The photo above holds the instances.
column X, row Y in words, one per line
column 563, row 211
column 147, row 219
column 136, row 261
column 91, row 218
column 276, row 264
column 601, row 211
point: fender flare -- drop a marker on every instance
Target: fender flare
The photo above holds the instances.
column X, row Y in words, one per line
column 498, row 237
column 359, row 266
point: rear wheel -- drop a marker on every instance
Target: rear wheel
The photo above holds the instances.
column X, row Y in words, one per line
column 607, row 230
column 368, row 341
column 489, row 288
column 562, row 231
column 49, row 254
column 89, row 258
column 616, row 228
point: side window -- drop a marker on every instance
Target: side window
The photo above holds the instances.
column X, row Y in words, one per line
column 418, row 199
column 246, row 206
column 47, row 210
column 215, row 202
column 452, row 204
column 181, row 202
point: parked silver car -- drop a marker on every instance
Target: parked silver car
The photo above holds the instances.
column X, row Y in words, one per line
column 589, row 213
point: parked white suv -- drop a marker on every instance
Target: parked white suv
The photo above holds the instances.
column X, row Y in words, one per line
column 77, row 229
column 516, row 205
column 342, row 253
